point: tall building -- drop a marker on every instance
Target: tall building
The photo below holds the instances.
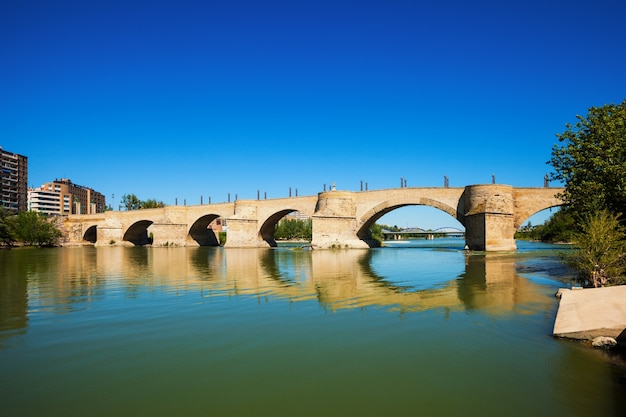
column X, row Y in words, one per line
column 13, row 181
column 62, row 197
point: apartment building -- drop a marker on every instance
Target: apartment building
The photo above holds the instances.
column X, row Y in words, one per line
column 62, row 197
column 13, row 181
column 48, row 202
column 296, row 215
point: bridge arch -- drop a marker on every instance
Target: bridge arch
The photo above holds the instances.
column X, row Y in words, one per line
column 532, row 202
column 91, row 234
column 266, row 231
column 137, row 233
column 522, row 218
column 201, row 234
column 372, row 215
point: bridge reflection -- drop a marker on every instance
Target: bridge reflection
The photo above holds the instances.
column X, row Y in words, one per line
column 336, row 280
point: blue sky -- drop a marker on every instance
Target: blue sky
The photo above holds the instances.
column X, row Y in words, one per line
column 182, row 99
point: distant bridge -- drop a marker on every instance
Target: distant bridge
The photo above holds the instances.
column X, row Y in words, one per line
column 422, row 233
column 490, row 213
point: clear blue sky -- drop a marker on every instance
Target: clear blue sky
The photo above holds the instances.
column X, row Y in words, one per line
column 178, row 99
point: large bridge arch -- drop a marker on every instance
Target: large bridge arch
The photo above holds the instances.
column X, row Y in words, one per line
column 266, row 231
column 254, row 221
column 523, row 218
column 137, row 233
column 375, row 213
column 200, row 234
column 531, row 201
column 91, row 234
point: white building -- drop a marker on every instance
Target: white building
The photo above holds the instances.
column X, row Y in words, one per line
column 48, row 202
column 63, row 197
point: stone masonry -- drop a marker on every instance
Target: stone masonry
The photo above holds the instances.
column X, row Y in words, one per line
column 491, row 213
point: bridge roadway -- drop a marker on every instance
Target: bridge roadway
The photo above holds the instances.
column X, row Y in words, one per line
column 490, row 213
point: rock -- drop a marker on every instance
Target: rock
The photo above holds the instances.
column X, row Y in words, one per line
column 559, row 292
column 603, row 342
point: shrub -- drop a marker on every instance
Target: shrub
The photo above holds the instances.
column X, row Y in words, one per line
column 601, row 247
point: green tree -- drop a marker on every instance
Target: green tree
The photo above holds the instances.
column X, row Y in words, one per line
column 390, row 228
column 151, row 203
column 7, row 236
column 590, row 159
column 34, row 229
column 131, row 202
column 558, row 228
column 377, row 232
column 294, row 229
column 600, row 257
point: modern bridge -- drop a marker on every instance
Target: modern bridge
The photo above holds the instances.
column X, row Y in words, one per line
column 422, row 233
column 490, row 213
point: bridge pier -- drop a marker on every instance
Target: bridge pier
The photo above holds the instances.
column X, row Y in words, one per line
column 108, row 236
column 243, row 227
column 166, row 234
column 335, row 222
column 489, row 217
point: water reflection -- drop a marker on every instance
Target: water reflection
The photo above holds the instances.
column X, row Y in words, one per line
column 185, row 323
column 13, row 295
column 67, row 279
column 490, row 282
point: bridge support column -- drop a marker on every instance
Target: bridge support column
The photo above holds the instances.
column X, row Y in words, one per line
column 165, row 234
column 109, row 236
column 243, row 227
column 489, row 217
column 335, row 223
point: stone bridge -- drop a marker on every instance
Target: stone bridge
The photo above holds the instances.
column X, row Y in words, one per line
column 490, row 213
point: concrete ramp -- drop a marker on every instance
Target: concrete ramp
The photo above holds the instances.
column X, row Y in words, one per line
column 592, row 312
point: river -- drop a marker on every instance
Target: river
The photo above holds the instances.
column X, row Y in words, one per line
column 412, row 328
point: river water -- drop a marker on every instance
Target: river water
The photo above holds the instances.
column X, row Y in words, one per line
column 413, row 328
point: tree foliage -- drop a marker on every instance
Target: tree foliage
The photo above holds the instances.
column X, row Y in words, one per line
column 559, row 228
column 590, row 159
column 377, row 232
column 7, row 235
column 152, row 203
column 34, row 229
column 132, row 202
column 393, row 228
column 600, row 257
column 287, row 229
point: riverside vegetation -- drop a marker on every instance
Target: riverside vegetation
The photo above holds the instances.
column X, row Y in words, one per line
column 590, row 160
column 28, row 228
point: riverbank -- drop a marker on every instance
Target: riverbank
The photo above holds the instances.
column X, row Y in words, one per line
column 585, row 314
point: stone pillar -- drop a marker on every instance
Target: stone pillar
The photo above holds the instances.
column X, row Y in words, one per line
column 110, row 232
column 334, row 222
column 489, row 217
column 109, row 236
column 167, row 234
column 242, row 229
